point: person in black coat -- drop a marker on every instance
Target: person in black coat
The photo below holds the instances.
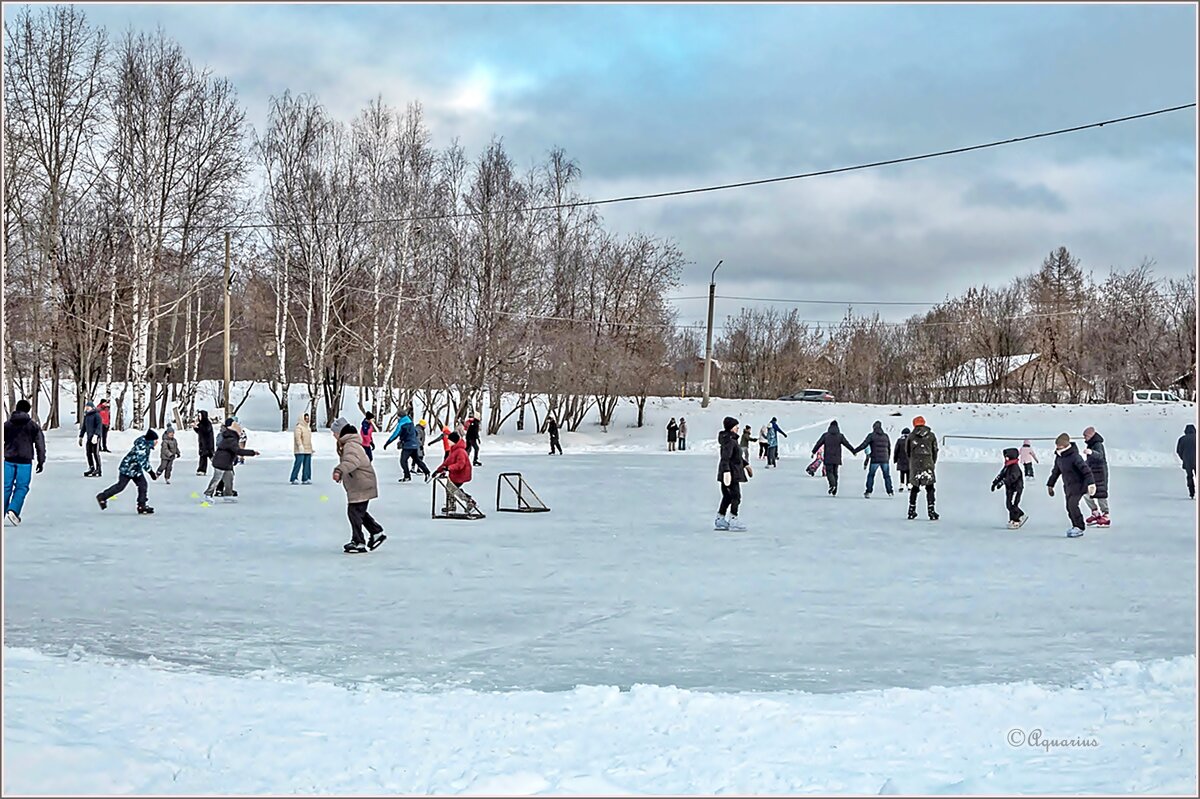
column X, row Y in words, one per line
column 226, row 457
column 473, row 440
column 1014, row 484
column 833, row 441
column 1097, row 461
column 731, row 473
column 1077, row 480
column 207, row 443
column 92, row 430
column 880, row 447
column 552, row 429
column 900, row 458
column 1186, row 450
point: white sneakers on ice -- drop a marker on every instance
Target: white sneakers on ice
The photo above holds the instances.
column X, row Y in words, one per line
column 721, row 523
column 1074, row 532
column 13, row 518
column 736, row 525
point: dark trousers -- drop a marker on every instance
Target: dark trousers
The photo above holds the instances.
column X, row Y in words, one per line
column 831, row 474
column 1073, row 510
column 762, row 450
column 903, row 472
column 370, row 452
column 1012, row 501
column 413, row 455
column 203, row 467
column 358, row 515
column 119, row 486
column 473, row 450
column 929, row 496
column 104, row 437
column 1029, row 470
column 164, row 467
column 731, row 497
column 1191, row 480
column 93, row 456
column 887, row 477
column 555, row 446
column 772, row 454
column 683, row 442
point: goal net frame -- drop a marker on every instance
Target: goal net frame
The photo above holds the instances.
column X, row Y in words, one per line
column 949, row 436
column 460, row 510
column 522, row 490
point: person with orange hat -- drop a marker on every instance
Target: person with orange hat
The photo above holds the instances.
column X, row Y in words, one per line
column 922, row 449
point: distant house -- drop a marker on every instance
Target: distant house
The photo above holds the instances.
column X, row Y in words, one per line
column 689, row 374
column 1013, row 378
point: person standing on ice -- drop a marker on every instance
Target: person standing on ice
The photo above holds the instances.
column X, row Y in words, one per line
column 1028, row 458
column 367, row 432
column 356, row 474
column 900, row 458
column 922, row 450
column 105, row 418
column 672, row 434
column 226, row 457
column 302, row 451
column 23, row 438
column 457, row 468
column 410, row 447
column 552, row 429
column 1186, row 450
column 1097, row 461
column 880, row 450
column 762, row 442
column 136, row 461
column 682, row 434
column 1014, row 484
column 206, row 445
column 421, row 439
column 91, row 431
column 1077, row 480
column 473, row 440
column 170, row 451
column 747, row 439
column 731, row 473
column 832, row 442
column 774, row 431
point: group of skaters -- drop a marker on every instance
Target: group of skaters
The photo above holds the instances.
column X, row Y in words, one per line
column 1084, row 475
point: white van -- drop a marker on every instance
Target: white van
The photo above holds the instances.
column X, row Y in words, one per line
column 1154, row 396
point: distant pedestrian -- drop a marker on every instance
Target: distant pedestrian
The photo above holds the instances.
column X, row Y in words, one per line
column 732, row 471
column 1014, row 484
column 552, row 430
column 746, row 440
column 1028, row 458
column 672, row 434
column 900, row 458
column 91, row 431
column 682, row 434
column 762, row 442
column 367, row 433
column 302, row 451
column 1097, row 461
column 206, row 441
column 832, row 441
column 473, row 433
column 922, row 450
column 105, row 418
column 773, row 433
column 23, row 439
column 1077, row 480
column 1186, row 450
column 170, row 452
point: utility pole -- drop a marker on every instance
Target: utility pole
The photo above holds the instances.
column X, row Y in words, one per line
column 228, row 280
column 712, row 296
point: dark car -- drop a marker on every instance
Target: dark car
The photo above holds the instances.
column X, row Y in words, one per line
column 810, row 395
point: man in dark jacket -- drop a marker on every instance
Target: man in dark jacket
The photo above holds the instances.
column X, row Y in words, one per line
column 552, row 429
column 224, row 459
column 1077, row 480
column 206, row 443
column 731, row 473
column 1097, row 461
column 92, row 431
column 880, row 447
column 22, row 439
column 473, row 440
column 1186, row 450
column 922, row 449
column 900, row 458
column 833, row 441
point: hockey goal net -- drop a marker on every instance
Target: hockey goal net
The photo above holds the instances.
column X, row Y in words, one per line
column 513, row 495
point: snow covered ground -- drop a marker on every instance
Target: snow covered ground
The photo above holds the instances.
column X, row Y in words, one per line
column 616, row 644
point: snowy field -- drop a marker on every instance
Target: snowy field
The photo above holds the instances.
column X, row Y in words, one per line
column 616, row 644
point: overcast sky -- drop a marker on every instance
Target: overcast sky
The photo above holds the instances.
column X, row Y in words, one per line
column 652, row 98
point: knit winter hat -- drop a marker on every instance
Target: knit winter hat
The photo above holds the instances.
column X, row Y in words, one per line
column 151, row 435
column 905, row 431
column 1088, row 433
column 230, row 420
column 338, row 424
column 918, row 421
column 1026, row 444
column 730, row 422
column 23, row 406
column 1062, row 442
column 421, row 423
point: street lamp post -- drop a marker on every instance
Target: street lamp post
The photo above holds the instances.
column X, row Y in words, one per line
column 712, row 296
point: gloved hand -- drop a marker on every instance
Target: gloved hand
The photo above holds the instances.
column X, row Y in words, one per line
column 385, row 444
column 81, row 441
column 993, row 486
column 1050, row 489
column 153, row 475
column 1092, row 490
column 726, row 478
column 40, row 466
column 749, row 471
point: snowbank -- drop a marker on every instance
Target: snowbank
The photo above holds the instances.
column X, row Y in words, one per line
column 1130, row 728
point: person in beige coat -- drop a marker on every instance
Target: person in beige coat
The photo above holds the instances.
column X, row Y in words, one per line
column 356, row 474
column 302, row 449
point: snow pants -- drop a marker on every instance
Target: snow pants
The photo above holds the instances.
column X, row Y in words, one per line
column 1029, row 470
column 413, row 455
column 455, row 491
column 473, row 450
column 929, row 496
column 887, row 477
column 903, row 472
column 731, row 497
column 358, row 515
column 16, row 485
column 119, row 486
column 1012, row 501
column 164, row 467
column 772, row 454
column 555, row 446
column 831, row 474
column 1073, row 510
column 203, row 467
column 1191, row 480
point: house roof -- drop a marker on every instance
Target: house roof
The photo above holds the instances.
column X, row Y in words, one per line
column 981, row 372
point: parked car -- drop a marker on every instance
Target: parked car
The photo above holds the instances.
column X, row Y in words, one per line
column 1153, row 395
column 809, row 395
